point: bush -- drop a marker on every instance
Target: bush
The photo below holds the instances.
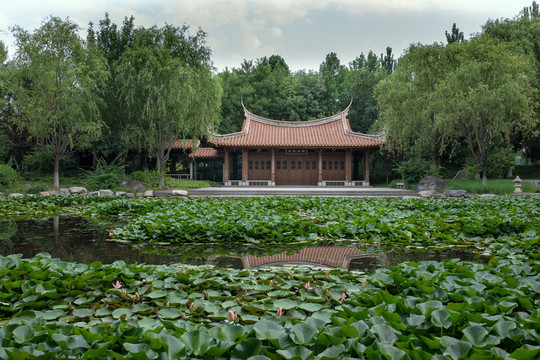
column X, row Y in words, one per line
column 150, row 179
column 415, row 169
column 36, row 189
column 8, row 176
column 105, row 176
column 41, row 163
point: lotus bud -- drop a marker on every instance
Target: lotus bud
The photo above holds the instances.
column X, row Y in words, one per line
column 233, row 315
column 123, row 293
column 307, row 286
column 343, row 297
column 191, row 307
column 167, row 304
column 70, row 306
column 156, row 310
column 346, row 289
column 327, row 275
column 279, row 312
column 271, row 283
column 137, row 296
column 117, row 284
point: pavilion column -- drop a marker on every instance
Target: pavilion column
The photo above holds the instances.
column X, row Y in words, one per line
column 191, row 169
column 194, row 169
column 273, row 167
column 348, row 162
column 319, row 167
column 226, row 165
column 245, row 166
column 366, row 167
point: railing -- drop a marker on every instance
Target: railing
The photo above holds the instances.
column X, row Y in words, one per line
column 179, row 176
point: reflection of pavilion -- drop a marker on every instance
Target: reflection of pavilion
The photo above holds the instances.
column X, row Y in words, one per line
column 330, row 256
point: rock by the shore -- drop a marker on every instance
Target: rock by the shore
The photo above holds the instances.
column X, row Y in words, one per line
column 455, row 193
column 15, row 195
column 431, row 183
column 133, row 185
column 431, row 194
column 148, row 193
column 177, row 192
column 77, row 190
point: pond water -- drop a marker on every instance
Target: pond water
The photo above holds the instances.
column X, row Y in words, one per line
column 79, row 240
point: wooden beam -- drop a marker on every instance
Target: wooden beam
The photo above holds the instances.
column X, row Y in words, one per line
column 245, row 165
column 366, row 166
column 226, row 165
column 348, row 163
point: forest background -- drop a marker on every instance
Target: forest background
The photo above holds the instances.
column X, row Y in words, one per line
column 128, row 92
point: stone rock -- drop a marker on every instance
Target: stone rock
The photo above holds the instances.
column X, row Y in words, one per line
column 162, row 193
column 120, row 193
column 2, row 195
column 460, row 175
column 488, row 195
column 77, row 190
column 455, row 193
column 129, row 195
column 179, row 193
column 148, row 193
column 55, row 192
column 407, row 197
column 15, row 195
column 139, row 195
column 431, row 194
column 133, row 185
column 431, row 183
column 64, row 192
column 106, row 193
column 44, row 193
column 93, row 193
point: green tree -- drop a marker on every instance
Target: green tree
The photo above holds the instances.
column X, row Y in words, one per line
column 167, row 84
column 455, row 35
column 487, row 98
column 57, row 94
column 405, row 101
column 111, row 42
column 333, row 76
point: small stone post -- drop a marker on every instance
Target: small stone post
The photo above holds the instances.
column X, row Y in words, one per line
column 517, row 185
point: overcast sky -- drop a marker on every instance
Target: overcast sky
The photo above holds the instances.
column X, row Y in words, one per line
column 301, row 31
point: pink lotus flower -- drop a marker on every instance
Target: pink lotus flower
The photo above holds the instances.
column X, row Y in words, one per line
column 307, row 285
column 343, row 296
column 117, row 284
column 279, row 312
column 233, row 315
column 123, row 293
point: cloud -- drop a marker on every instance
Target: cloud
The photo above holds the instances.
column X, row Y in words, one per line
column 277, row 32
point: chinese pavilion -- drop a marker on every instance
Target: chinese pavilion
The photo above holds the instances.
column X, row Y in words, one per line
column 272, row 152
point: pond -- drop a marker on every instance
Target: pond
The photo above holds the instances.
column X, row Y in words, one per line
column 76, row 239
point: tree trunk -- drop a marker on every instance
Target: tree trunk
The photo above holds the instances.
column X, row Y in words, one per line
column 56, row 173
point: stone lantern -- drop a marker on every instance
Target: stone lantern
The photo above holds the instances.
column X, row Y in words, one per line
column 517, row 184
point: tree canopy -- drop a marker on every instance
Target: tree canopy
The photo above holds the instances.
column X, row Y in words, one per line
column 57, row 93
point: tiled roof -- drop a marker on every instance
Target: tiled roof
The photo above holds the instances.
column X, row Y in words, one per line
column 206, row 153
column 330, row 132
column 331, row 256
column 184, row 144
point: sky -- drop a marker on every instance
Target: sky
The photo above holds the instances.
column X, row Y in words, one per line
column 303, row 32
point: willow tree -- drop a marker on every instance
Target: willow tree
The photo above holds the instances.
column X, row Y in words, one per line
column 405, row 101
column 170, row 92
column 57, row 95
column 487, row 98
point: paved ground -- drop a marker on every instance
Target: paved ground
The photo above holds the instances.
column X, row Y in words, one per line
column 300, row 191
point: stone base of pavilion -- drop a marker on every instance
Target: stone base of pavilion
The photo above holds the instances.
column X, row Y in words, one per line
column 272, row 183
column 301, row 190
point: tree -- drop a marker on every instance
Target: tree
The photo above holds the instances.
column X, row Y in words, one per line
column 57, row 94
column 333, row 75
column 405, row 101
column 388, row 61
column 111, row 42
column 167, row 84
column 455, row 35
column 487, row 98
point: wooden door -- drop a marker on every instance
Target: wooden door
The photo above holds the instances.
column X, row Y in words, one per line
column 333, row 166
column 259, row 165
column 296, row 169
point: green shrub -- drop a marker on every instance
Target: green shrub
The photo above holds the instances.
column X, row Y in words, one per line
column 36, row 189
column 499, row 187
column 414, row 169
column 187, row 184
column 105, row 176
column 8, row 176
column 41, row 163
column 149, row 178
column 527, row 171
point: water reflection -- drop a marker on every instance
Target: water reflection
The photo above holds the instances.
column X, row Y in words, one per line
column 79, row 240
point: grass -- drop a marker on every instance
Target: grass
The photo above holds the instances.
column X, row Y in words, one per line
column 499, row 187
